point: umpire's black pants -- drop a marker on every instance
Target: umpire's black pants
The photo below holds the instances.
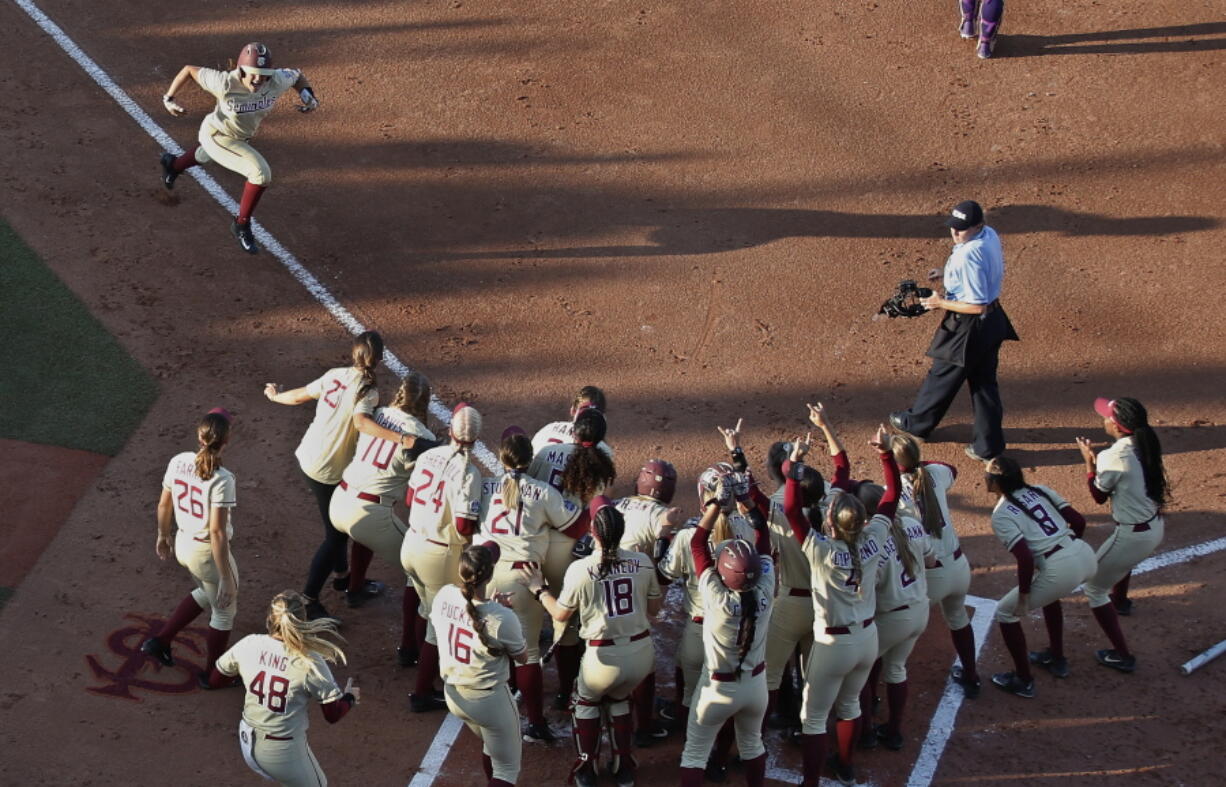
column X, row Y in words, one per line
column 941, row 387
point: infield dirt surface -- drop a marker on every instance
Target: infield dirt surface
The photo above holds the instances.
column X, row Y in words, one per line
column 698, row 207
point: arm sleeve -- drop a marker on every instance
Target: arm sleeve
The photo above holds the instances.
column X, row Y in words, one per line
column 893, row 486
column 168, row 479
column 335, row 710
column 953, row 471
column 792, row 503
column 699, row 551
column 571, row 583
column 1025, row 565
column 222, row 495
column 1075, row 520
column 1097, row 493
column 227, row 663
column 213, row 82
column 367, row 404
column 510, row 633
column 975, row 278
column 315, row 388
column 842, row 471
column 759, row 500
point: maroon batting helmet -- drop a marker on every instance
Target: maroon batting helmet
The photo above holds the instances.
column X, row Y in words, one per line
column 738, row 565
column 256, row 58
column 657, row 479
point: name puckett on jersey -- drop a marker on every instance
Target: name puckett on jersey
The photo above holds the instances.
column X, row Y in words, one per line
column 1011, row 524
column 841, row 597
column 194, row 497
column 722, row 612
column 615, row 605
column 522, row 533
column 279, row 686
column 463, row 658
column 895, row 585
column 379, row 466
column 328, row 445
column 444, row 486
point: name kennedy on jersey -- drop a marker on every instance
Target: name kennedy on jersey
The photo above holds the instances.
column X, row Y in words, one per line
column 624, row 566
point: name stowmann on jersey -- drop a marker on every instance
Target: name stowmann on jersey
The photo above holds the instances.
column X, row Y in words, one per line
column 259, row 105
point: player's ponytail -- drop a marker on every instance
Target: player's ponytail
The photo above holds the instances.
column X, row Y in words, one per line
column 589, row 470
column 476, row 568
column 1131, row 415
column 515, row 453
column 847, row 516
column 413, row 396
column 1006, row 474
column 366, row 352
column 907, row 454
column 609, row 525
column 212, row 433
column 287, row 621
column 747, row 629
column 589, row 396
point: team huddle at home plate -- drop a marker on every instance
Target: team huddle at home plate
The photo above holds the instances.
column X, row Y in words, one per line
column 797, row 581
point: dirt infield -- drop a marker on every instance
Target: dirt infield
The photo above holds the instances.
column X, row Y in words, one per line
column 697, row 207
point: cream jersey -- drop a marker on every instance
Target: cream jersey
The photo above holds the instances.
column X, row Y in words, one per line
column 642, row 515
column 1119, row 474
column 239, row 112
column 560, row 432
column 840, row 596
column 279, row 684
column 613, row 606
column 194, row 498
column 463, row 660
column 794, row 572
column 895, row 585
column 445, row 486
column 523, row 532
column 679, row 562
column 910, row 504
column 722, row 612
column 1011, row 524
column 328, row 445
column 379, row 467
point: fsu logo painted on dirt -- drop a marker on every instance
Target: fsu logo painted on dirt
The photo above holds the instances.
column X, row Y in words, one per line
column 138, row 671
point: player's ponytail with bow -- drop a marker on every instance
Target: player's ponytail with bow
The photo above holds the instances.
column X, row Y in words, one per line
column 515, row 455
column 590, row 470
column 287, row 621
column 847, row 516
column 367, row 353
column 1131, row 415
column 476, row 569
column 609, row 525
column 907, row 454
column 413, row 396
column 212, row 433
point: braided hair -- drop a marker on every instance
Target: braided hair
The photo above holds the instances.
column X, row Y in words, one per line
column 476, row 568
column 212, row 433
column 847, row 516
column 775, row 457
column 813, row 490
column 747, row 629
column 1006, row 473
column 287, row 621
column 870, row 495
column 608, row 525
column 907, row 453
column 1132, row 416
column 413, row 396
column 515, row 455
column 589, row 469
column 366, row 353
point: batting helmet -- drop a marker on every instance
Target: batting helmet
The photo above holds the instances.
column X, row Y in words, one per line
column 708, row 482
column 257, row 59
column 465, row 423
column 657, row 479
column 738, row 564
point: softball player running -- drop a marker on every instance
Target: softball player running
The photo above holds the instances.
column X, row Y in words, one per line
column 737, row 588
column 479, row 635
column 925, row 486
column 562, row 432
column 198, row 498
column 1129, row 474
column 650, row 526
column 444, row 511
column 521, row 514
column 581, row 470
column 376, row 478
column 613, row 591
column 244, row 96
column 283, row 671
column 345, row 400
column 1033, row 522
column 844, row 580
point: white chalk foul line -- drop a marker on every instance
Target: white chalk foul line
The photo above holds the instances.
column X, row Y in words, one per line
column 1180, row 555
column 432, row 763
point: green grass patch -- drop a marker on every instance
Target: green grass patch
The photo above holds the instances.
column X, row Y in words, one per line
column 66, row 380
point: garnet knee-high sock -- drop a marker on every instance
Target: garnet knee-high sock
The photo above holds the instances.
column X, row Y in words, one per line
column 528, row 678
column 568, row 667
column 772, row 699
column 215, row 645
column 1109, row 621
column 186, row 161
column 587, row 740
column 896, row 698
column 692, row 777
column 500, row 783
column 419, row 631
column 848, row 733
column 679, row 685
column 1053, row 618
column 359, row 561
column 185, row 613
column 1015, row 641
column 755, row 771
column 622, row 736
column 408, row 619
column 868, row 693
column 964, row 645
column 813, row 749
column 427, row 669
column 251, row 198
column 487, row 765
column 1120, row 591
column 723, row 743
column 644, row 699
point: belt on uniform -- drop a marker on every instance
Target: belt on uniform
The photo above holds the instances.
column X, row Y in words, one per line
column 697, row 619
column 723, row 677
column 1053, row 550
column 268, row 737
column 846, row 629
column 957, row 554
column 600, row 643
column 900, row 609
column 526, row 564
column 438, row 543
column 367, row 496
column 1139, row 527
column 805, row 592
column 201, row 540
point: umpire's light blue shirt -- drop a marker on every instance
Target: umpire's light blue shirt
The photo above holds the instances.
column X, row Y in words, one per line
column 975, row 270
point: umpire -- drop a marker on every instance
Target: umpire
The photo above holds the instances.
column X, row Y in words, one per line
column 967, row 342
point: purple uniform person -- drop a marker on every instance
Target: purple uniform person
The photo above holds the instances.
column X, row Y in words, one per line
column 988, row 17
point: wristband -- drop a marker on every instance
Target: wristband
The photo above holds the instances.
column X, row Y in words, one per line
column 539, row 591
column 350, row 698
column 797, row 471
column 168, row 97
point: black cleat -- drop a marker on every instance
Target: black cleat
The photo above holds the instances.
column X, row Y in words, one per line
column 370, row 590
column 406, row 657
column 317, row 611
column 169, row 173
column 157, row 650
column 246, row 238
column 843, row 774
column 970, row 686
column 898, row 420
column 1058, row 667
column 1112, row 659
column 539, row 733
column 892, row 742
column 419, row 704
column 1010, row 682
column 647, row 737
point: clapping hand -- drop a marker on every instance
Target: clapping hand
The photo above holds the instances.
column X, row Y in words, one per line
column 1087, row 451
